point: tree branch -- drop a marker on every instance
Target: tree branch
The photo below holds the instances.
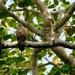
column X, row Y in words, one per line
column 66, row 17
column 27, row 9
column 48, row 44
column 34, row 59
column 46, row 15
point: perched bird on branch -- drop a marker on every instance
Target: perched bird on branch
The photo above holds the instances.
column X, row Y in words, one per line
column 21, row 36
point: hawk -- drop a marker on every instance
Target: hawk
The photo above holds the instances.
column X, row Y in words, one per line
column 21, row 36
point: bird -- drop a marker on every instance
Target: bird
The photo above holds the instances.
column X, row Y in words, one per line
column 21, row 36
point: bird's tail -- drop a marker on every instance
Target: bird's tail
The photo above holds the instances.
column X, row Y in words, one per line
column 21, row 46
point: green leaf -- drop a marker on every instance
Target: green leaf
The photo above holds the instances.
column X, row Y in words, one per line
column 39, row 19
column 39, row 57
column 6, row 37
column 65, row 69
column 13, row 37
column 13, row 71
column 63, row 1
column 73, row 68
column 50, row 53
column 52, row 71
column 73, row 16
column 42, row 69
column 1, row 38
column 52, row 6
column 56, row 2
column 46, row 2
column 69, row 39
column 24, row 3
column 42, row 53
column 4, row 53
column 65, row 4
column 66, row 66
column 12, row 23
column 1, row 73
column 19, row 59
column 3, row 13
column 10, row 61
column 23, row 72
column 73, row 53
column 55, row 17
column 1, row 30
column 2, row 62
column 57, row 73
column 73, row 22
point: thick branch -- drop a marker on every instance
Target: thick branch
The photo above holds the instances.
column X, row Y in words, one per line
column 40, row 5
column 48, row 44
column 34, row 59
column 46, row 15
column 66, row 17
